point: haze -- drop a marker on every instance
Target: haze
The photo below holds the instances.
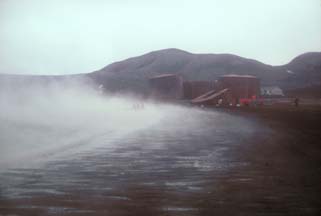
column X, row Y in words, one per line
column 42, row 120
column 65, row 37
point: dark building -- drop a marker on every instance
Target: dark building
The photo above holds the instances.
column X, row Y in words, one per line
column 193, row 89
column 227, row 90
column 231, row 90
column 166, row 86
column 222, row 97
column 240, row 86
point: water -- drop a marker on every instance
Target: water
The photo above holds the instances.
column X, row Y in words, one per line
column 115, row 158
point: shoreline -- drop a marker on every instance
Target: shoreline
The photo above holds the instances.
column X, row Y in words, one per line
column 271, row 169
column 287, row 165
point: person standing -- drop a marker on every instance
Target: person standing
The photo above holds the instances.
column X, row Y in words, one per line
column 296, row 102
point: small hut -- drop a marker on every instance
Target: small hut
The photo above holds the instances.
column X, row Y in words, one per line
column 271, row 92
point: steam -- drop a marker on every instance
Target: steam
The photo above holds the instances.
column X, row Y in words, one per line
column 38, row 121
column 46, row 121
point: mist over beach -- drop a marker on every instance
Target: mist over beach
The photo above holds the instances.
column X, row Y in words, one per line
column 165, row 107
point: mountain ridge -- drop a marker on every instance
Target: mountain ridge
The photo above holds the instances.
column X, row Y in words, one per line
column 132, row 74
column 205, row 67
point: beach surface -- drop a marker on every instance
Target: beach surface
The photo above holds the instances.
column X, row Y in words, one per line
column 189, row 162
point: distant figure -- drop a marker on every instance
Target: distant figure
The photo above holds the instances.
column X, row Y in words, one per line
column 141, row 105
column 220, row 102
column 296, row 102
column 138, row 106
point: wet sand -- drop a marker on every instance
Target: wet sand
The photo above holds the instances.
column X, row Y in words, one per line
column 253, row 162
column 285, row 167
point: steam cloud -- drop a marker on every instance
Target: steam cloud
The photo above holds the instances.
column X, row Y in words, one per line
column 38, row 120
column 45, row 121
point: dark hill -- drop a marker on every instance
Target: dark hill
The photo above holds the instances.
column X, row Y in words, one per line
column 132, row 74
column 304, row 70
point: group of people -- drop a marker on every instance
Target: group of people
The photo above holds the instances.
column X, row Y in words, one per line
column 138, row 106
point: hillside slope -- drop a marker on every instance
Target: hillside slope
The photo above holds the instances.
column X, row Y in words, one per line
column 133, row 73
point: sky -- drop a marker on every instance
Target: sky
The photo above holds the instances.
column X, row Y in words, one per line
column 80, row 36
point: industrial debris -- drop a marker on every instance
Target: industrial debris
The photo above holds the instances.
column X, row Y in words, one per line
column 228, row 90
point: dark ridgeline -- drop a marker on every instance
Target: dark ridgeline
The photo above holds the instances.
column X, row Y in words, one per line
column 132, row 75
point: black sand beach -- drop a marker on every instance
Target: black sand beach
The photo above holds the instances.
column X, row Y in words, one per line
column 248, row 162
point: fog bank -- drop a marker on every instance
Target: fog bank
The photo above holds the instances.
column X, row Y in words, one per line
column 38, row 121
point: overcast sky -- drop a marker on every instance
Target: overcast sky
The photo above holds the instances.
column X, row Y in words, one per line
column 78, row 36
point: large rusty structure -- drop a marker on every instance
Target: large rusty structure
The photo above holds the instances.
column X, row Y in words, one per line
column 241, row 86
column 193, row 89
column 222, row 97
column 166, row 86
column 227, row 90
column 231, row 90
